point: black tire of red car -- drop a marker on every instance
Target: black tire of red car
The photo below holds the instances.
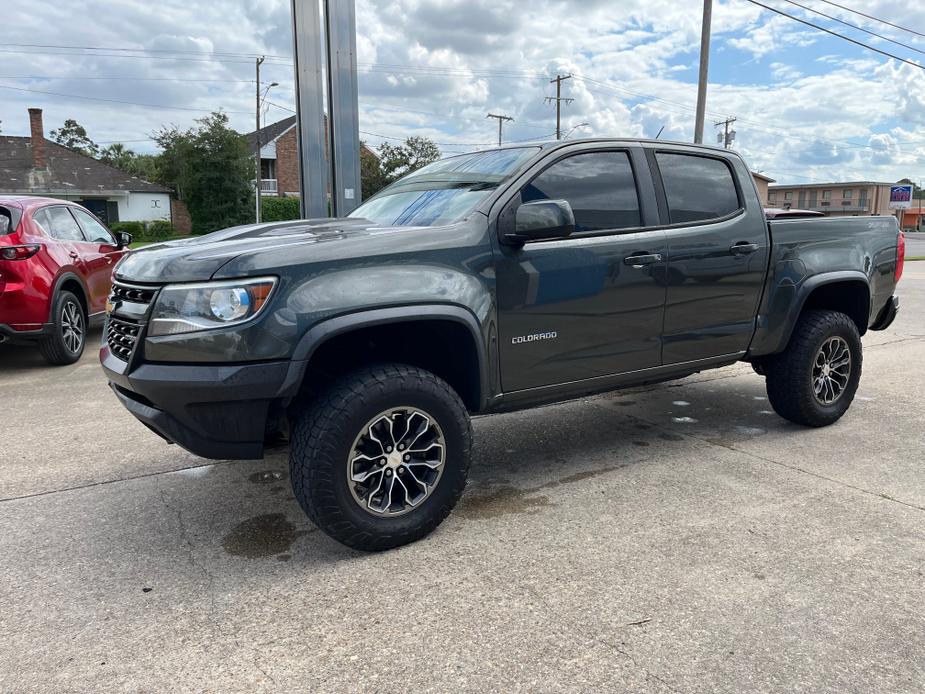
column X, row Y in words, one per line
column 328, row 431
column 65, row 344
column 792, row 375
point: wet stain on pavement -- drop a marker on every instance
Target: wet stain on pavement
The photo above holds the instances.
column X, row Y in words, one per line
column 624, row 403
column 505, row 500
column 640, row 443
column 500, row 502
column 261, row 536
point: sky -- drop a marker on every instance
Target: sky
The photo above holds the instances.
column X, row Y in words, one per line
column 810, row 107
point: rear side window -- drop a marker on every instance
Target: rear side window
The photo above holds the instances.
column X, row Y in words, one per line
column 698, row 188
column 60, row 224
column 9, row 220
column 598, row 185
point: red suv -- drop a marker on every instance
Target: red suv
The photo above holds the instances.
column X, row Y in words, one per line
column 56, row 263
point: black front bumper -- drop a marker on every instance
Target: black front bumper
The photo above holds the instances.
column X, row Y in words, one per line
column 212, row 410
column 887, row 314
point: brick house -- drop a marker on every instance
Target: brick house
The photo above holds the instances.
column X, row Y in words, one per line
column 279, row 157
column 36, row 166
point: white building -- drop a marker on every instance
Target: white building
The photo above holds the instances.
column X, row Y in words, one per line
column 36, row 166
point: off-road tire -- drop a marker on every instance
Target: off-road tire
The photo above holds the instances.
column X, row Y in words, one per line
column 789, row 374
column 53, row 347
column 322, row 435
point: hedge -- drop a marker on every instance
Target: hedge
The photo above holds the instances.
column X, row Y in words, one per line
column 274, row 209
column 158, row 230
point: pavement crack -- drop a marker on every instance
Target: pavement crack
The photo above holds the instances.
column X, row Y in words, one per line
column 191, row 556
column 89, row 485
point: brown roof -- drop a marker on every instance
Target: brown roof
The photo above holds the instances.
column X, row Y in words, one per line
column 67, row 172
column 268, row 133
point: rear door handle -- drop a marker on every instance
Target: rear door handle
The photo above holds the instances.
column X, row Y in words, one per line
column 640, row 259
column 73, row 255
column 743, row 248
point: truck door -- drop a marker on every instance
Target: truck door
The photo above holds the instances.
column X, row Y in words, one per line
column 589, row 305
column 717, row 254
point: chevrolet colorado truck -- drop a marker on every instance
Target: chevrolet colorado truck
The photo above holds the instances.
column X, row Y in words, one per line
column 486, row 282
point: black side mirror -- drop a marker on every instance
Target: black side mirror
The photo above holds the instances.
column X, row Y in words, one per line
column 123, row 239
column 541, row 219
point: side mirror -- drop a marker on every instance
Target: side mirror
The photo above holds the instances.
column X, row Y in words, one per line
column 542, row 219
column 123, row 239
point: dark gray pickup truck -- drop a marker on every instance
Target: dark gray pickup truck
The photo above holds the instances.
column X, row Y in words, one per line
column 486, row 282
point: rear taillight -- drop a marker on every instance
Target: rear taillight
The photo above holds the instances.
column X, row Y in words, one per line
column 18, row 252
column 900, row 256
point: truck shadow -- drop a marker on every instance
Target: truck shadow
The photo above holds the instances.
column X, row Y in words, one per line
column 26, row 357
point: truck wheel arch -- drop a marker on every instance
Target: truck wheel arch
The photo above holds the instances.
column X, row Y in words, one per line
column 847, row 291
column 323, row 333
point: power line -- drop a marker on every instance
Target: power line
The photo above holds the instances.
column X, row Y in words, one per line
column 114, row 101
column 876, row 19
column 855, row 26
column 143, row 50
column 115, row 78
column 501, row 118
column 835, row 33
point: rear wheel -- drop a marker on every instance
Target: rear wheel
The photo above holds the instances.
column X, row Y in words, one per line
column 381, row 458
column 66, row 342
column 814, row 380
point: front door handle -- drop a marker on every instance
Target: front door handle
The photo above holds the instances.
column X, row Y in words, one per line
column 641, row 259
column 743, row 248
column 73, row 255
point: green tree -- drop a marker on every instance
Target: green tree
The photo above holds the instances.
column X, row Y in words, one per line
column 211, row 169
column 372, row 178
column 74, row 136
column 398, row 160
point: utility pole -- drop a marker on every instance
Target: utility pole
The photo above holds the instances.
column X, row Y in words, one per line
column 257, row 180
column 558, row 99
column 704, row 70
column 501, row 120
column 728, row 135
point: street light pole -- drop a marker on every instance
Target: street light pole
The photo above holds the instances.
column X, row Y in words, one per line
column 257, row 181
column 704, row 70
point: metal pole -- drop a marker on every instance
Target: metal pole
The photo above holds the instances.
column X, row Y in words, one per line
column 501, row 119
column 309, row 89
column 558, row 107
column 704, row 70
column 257, row 180
column 343, row 107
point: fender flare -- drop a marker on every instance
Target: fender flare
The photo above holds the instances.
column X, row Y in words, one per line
column 321, row 332
column 803, row 291
column 61, row 279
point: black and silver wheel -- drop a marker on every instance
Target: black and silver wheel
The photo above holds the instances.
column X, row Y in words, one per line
column 381, row 458
column 814, row 380
column 65, row 344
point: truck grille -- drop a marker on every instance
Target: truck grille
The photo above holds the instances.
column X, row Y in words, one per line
column 125, row 324
column 121, row 337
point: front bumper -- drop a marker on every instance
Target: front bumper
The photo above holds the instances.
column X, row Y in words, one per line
column 212, row 410
column 887, row 314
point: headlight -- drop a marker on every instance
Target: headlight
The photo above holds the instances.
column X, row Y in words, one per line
column 187, row 308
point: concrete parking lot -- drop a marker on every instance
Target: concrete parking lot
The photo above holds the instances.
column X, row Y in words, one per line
column 675, row 538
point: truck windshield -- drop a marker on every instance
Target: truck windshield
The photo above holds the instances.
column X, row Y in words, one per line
column 445, row 191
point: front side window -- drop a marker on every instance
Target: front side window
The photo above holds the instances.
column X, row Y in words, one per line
column 445, row 191
column 58, row 223
column 599, row 186
column 698, row 188
column 93, row 230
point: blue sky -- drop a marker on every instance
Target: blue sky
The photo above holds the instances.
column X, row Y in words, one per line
column 810, row 107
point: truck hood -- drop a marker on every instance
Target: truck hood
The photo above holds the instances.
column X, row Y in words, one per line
column 200, row 257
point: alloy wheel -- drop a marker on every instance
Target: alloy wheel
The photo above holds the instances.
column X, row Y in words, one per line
column 831, row 370
column 396, row 461
column 72, row 326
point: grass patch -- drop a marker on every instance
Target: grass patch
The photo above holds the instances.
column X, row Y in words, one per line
column 915, row 257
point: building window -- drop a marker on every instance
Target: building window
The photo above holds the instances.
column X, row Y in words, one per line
column 813, row 198
column 847, row 193
column 772, row 196
column 827, row 195
column 788, row 195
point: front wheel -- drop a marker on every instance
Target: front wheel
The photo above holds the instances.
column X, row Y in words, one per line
column 814, row 380
column 381, row 458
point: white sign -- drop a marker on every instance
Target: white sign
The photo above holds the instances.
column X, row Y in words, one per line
column 900, row 197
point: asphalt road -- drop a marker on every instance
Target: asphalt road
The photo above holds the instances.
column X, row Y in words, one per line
column 677, row 538
column 915, row 244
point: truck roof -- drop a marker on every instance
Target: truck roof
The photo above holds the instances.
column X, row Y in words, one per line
column 550, row 144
